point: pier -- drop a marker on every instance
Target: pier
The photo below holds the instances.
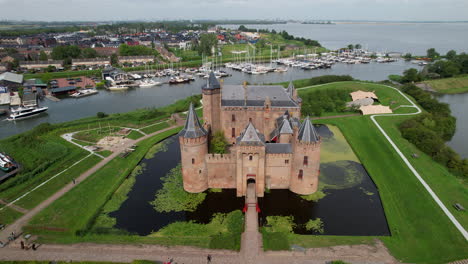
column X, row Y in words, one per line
column 11, row 173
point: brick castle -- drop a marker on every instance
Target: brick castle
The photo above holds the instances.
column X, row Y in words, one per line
column 268, row 143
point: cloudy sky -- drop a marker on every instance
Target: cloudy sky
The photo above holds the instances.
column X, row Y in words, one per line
column 412, row 10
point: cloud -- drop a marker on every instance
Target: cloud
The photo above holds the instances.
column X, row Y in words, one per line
column 234, row 9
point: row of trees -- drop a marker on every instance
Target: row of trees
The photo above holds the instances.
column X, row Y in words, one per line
column 70, row 52
column 284, row 34
column 450, row 65
column 429, row 131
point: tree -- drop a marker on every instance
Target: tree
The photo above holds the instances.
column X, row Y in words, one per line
column 408, row 56
column 432, row 53
column 89, row 53
column 357, row 46
column 114, row 59
column 138, row 50
column 63, row 52
column 218, row 143
column 101, row 114
column 46, row 77
column 451, row 54
column 445, row 68
column 411, row 75
column 350, row 46
column 243, row 28
column 207, row 43
column 43, row 56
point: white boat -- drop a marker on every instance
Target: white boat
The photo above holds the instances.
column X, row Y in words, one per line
column 147, row 83
column 23, row 112
column 84, row 92
column 118, row 88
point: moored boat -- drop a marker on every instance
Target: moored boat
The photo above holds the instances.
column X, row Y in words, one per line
column 24, row 112
column 6, row 163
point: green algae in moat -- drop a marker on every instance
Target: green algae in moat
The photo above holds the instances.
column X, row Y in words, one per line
column 341, row 174
column 336, row 148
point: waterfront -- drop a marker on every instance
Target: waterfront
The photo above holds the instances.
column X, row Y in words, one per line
column 458, row 104
column 415, row 38
column 117, row 102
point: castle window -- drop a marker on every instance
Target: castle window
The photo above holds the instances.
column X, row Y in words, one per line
column 250, row 157
column 306, row 160
column 299, row 176
column 199, row 171
column 250, row 119
column 193, row 161
column 286, row 161
column 233, row 132
column 233, row 118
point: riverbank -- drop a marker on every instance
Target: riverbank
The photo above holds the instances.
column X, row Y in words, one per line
column 454, row 85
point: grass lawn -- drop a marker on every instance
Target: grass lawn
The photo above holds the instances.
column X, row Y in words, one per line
column 421, row 232
column 134, row 135
column 450, row 85
column 75, row 211
column 105, row 153
column 386, row 96
column 95, row 135
column 154, row 128
column 8, row 215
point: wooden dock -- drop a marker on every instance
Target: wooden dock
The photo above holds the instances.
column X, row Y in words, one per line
column 11, row 173
column 52, row 98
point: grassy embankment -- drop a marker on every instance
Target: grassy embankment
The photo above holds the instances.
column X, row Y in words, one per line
column 452, row 85
column 104, row 192
column 420, row 231
column 43, row 153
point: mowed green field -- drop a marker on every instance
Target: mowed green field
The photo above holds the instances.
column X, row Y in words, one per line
column 420, row 231
column 450, row 85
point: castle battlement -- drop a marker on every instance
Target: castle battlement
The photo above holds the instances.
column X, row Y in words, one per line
column 221, row 158
column 269, row 144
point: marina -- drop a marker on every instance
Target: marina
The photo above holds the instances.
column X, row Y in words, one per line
column 125, row 99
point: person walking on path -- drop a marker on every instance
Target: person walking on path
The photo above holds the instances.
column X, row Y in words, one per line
column 208, row 258
column 74, row 181
column 22, row 245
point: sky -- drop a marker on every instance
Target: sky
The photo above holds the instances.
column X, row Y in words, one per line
column 100, row 10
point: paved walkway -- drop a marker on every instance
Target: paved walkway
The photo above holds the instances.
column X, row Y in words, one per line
column 14, row 207
column 251, row 241
column 23, row 220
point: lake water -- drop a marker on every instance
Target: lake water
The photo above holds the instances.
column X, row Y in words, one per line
column 415, row 38
column 117, row 102
column 459, row 106
column 345, row 210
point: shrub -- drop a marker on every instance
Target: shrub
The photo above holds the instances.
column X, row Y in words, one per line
column 315, row 225
column 101, row 115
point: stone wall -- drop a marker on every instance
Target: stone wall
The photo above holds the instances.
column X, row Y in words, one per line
column 278, row 170
column 221, row 171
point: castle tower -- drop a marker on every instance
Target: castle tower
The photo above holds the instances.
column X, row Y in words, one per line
column 250, row 152
column 212, row 103
column 193, row 141
column 285, row 131
column 306, row 160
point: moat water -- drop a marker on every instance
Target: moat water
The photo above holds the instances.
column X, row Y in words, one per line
column 351, row 206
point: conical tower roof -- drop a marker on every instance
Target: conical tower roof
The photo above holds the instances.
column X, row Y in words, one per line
column 307, row 132
column 192, row 128
column 285, row 127
column 251, row 137
column 212, row 82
